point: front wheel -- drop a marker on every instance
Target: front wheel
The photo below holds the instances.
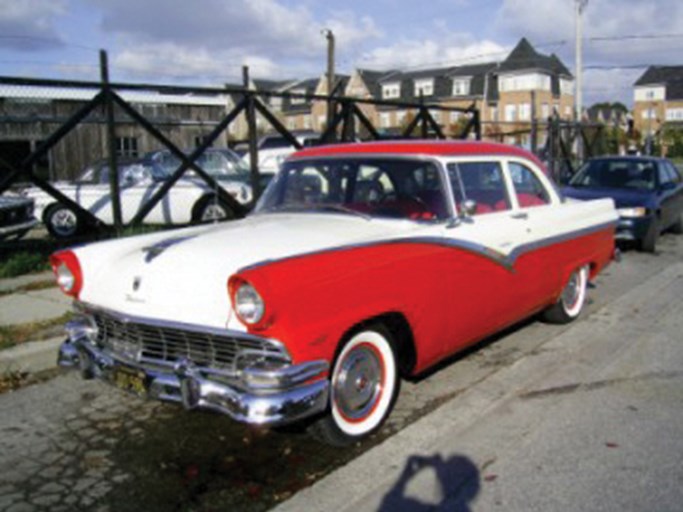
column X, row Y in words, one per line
column 61, row 221
column 364, row 385
column 572, row 299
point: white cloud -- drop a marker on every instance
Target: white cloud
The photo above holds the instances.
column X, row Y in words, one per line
column 277, row 39
column 459, row 50
column 28, row 25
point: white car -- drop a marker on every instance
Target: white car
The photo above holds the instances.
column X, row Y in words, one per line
column 361, row 265
column 189, row 200
column 273, row 149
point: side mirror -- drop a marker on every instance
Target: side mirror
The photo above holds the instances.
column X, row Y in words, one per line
column 669, row 185
column 468, row 208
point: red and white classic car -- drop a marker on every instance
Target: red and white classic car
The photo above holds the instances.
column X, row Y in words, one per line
column 361, row 264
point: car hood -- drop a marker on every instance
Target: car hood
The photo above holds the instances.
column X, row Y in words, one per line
column 182, row 275
column 622, row 197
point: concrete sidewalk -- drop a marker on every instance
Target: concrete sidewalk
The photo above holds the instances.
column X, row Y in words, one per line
column 17, row 307
column 592, row 421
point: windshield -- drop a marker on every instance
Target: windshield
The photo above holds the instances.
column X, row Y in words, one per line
column 218, row 163
column 386, row 188
column 626, row 174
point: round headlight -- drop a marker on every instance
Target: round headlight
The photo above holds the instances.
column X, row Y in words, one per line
column 249, row 305
column 65, row 278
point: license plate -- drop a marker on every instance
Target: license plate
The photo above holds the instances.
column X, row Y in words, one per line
column 131, row 380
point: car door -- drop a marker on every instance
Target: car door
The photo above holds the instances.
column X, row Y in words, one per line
column 674, row 199
column 488, row 235
column 537, row 206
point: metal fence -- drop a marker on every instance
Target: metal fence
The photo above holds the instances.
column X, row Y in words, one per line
column 56, row 127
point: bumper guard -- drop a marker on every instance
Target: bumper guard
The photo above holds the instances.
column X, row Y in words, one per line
column 301, row 390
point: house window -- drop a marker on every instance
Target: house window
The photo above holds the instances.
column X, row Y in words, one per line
column 649, row 113
column 391, row 91
column 307, row 122
column 510, row 112
column 385, row 120
column 276, row 103
column 400, row 117
column 199, row 140
column 545, row 110
column 127, row 147
column 461, row 87
column 436, row 115
column 494, row 113
column 524, row 112
column 455, row 116
column 291, row 123
column 298, row 100
column 674, row 114
column 424, row 87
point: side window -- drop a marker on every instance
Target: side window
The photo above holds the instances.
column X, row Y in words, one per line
column 528, row 188
column 481, row 182
column 675, row 173
column 664, row 175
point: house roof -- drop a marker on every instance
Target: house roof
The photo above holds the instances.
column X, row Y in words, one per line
column 670, row 76
column 299, row 105
column 525, row 57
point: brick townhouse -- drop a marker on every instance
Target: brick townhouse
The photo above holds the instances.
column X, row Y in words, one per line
column 658, row 99
column 507, row 93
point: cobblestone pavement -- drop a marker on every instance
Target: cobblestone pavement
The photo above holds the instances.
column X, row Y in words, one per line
column 68, row 444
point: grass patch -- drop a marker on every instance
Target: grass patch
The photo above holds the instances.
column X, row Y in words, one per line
column 31, row 287
column 23, row 263
column 12, row 335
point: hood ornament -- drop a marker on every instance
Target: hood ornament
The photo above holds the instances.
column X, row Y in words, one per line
column 152, row 251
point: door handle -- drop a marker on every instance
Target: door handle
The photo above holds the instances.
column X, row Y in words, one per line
column 520, row 215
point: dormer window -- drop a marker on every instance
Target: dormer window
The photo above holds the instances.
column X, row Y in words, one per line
column 461, row 86
column 424, row 87
column 391, row 90
column 297, row 100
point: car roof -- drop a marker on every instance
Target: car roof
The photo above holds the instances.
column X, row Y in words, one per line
column 418, row 147
column 628, row 158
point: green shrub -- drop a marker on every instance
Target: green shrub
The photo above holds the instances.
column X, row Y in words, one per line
column 23, row 263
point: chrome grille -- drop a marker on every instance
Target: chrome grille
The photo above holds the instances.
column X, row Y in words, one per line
column 169, row 344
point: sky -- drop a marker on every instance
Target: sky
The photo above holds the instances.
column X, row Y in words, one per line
column 206, row 42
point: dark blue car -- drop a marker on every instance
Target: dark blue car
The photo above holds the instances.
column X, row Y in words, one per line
column 647, row 191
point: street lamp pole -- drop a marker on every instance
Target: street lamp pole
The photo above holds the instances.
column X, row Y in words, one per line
column 330, row 71
column 578, row 94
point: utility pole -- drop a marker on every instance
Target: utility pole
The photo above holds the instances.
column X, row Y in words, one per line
column 580, row 6
column 330, row 71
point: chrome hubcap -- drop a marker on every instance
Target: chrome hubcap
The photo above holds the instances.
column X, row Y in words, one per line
column 64, row 221
column 358, row 384
column 213, row 212
column 571, row 293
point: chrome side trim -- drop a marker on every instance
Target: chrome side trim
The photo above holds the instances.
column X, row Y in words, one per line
column 506, row 261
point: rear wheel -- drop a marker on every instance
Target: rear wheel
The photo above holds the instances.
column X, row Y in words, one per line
column 363, row 387
column 572, row 299
column 61, row 221
column 211, row 209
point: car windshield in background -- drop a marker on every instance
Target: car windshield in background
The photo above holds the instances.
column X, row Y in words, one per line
column 387, row 188
column 626, row 174
column 217, row 163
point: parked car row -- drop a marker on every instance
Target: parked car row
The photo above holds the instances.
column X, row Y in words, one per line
column 16, row 217
column 362, row 264
column 647, row 191
column 189, row 200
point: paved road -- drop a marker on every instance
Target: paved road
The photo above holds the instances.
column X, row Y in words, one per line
column 505, row 423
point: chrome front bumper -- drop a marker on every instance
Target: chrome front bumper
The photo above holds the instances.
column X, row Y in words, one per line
column 301, row 390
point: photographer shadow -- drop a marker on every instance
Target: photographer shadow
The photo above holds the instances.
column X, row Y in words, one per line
column 453, row 486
